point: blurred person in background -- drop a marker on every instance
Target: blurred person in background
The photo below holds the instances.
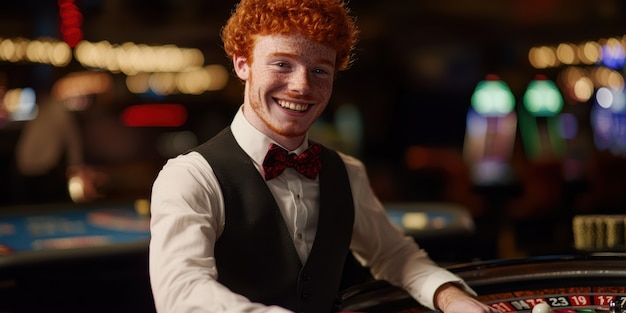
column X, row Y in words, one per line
column 50, row 157
column 230, row 233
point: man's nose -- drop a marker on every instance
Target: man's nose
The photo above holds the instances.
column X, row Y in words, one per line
column 300, row 82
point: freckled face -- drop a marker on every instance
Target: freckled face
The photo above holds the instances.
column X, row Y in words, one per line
column 288, row 83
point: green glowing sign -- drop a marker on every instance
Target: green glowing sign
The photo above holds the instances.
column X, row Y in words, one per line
column 542, row 98
column 493, row 98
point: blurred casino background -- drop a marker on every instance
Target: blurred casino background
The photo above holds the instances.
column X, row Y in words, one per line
column 513, row 110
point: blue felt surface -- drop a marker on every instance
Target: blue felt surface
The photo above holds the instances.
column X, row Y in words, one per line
column 72, row 228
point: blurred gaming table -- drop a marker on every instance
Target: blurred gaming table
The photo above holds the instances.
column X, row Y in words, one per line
column 75, row 258
column 425, row 220
column 446, row 230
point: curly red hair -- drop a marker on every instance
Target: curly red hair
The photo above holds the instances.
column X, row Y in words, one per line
column 324, row 21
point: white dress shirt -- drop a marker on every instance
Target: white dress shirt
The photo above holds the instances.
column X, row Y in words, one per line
column 188, row 217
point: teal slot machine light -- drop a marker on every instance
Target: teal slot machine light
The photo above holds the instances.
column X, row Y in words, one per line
column 490, row 132
column 540, row 124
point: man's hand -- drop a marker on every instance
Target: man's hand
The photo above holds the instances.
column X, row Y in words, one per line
column 451, row 299
column 84, row 183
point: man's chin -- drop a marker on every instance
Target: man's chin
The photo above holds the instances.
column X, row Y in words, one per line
column 290, row 134
column 285, row 130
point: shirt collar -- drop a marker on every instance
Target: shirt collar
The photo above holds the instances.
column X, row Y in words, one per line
column 252, row 141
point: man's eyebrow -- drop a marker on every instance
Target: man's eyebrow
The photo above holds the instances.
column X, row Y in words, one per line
column 293, row 56
column 327, row 62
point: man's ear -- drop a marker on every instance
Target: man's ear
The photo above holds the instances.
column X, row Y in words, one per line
column 242, row 68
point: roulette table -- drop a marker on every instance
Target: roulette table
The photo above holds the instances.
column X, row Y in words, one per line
column 585, row 282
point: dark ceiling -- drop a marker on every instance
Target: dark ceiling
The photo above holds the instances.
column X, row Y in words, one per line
column 196, row 22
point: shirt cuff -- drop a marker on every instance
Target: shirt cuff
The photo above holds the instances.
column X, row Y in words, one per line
column 426, row 293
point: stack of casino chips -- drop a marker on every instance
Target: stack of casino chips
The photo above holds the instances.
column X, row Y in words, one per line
column 599, row 232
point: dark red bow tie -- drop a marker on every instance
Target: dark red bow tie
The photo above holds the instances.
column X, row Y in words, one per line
column 306, row 163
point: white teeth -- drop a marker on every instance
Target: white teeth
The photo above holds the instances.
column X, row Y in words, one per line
column 293, row 106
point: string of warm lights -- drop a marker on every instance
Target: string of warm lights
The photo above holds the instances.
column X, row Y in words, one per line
column 130, row 58
column 45, row 50
column 169, row 69
column 162, row 70
column 586, row 67
column 586, row 53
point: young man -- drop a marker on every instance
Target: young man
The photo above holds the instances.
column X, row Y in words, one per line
column 231, row 234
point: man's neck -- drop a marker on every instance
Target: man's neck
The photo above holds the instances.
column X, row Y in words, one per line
column 288, row 142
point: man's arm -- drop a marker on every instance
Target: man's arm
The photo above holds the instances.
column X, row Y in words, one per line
column 185, row 223
column 451, row 299
column 394, row 257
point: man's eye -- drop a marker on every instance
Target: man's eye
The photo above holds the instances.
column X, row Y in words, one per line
column 319, row 71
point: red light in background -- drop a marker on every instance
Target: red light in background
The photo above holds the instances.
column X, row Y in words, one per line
column 492, row 77
column 71, row 21
column 154, row 115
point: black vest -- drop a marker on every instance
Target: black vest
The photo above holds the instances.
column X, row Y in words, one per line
column 255, row 254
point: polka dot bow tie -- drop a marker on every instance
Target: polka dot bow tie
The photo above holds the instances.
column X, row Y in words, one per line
column 306, row 163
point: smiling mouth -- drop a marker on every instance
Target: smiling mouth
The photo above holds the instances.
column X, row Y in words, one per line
column 298, row 107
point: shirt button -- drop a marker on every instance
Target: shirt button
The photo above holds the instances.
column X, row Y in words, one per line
column 299, row 236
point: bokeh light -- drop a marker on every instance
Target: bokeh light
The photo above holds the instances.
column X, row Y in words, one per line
column 79, row 84
column 43, row 50
column 613, row 54
column 583, row 89
column 130, row 58
column 542, row 98
column 493, row 97
column 20, row 104
column 566, row 53
column 193, row 81
column 154, row 115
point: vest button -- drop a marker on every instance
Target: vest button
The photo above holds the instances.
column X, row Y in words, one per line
column 306, row 295
column 306, row 277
